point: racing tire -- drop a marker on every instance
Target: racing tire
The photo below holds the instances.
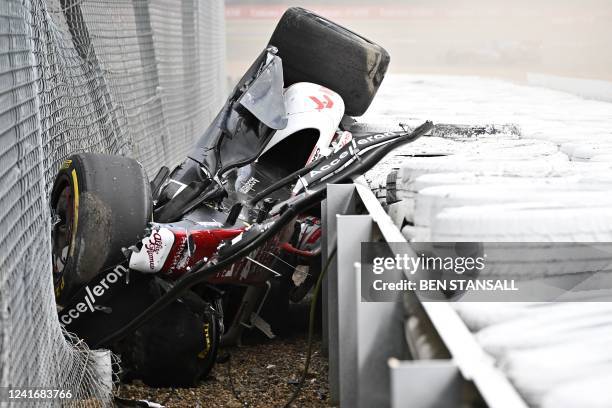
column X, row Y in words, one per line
column 548, row 248
column 441, row 190
column 178, row 348
column 592, row 153
column 543, row 324
column 580, row 392
column 475, row 178
column 314, row 49
column 431, row 201
column 101, row 204
column 480, row 315
column 410, row 170
column 275, row 310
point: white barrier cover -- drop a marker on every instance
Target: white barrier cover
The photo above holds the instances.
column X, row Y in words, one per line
column 556, row 353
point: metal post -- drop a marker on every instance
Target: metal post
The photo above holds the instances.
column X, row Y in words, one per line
column 352, row 231
column 341, row 199
column 425, row 384
column 380, row 330
column 370, row 332
column 324, row 306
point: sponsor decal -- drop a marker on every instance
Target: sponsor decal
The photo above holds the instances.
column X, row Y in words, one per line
column 180, row 249
column 360, row 142
column 155, row 250
column 210, row 224
column 316, row 153
column 371, row 138
column 339, row 140
column 248, row 185
column 153, row 247
column 88, row 304
column 344, row 138
column 330, row 165
column 328, row 103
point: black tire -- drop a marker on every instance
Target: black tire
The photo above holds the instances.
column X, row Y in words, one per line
column 275, row 310
column 101, row 204
column 178, row 348
column 314, row 49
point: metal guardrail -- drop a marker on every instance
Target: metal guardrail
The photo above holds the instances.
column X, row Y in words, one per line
column 373, row 361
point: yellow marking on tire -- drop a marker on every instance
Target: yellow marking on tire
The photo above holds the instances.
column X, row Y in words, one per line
column 202, row 354
column 59, row 288
column 75, row 220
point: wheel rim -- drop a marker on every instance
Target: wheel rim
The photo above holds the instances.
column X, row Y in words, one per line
column 62, row 231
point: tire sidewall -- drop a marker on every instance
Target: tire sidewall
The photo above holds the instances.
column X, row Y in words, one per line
column 70, row 174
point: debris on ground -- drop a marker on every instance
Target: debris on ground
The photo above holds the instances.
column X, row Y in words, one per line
column 264, row 375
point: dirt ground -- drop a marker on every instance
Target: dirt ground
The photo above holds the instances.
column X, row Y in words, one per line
column 264, row 374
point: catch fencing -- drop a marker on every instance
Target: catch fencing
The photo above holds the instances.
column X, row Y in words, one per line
column 132, row 77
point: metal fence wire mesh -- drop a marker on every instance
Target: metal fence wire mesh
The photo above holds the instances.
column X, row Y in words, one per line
column 134, row 77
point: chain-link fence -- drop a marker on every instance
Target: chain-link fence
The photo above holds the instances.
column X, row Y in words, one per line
column 135, row 77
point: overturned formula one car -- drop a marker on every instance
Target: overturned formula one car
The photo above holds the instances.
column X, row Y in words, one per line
column 162, row 272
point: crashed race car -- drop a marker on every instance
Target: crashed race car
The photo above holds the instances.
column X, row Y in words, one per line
column 163, row 272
